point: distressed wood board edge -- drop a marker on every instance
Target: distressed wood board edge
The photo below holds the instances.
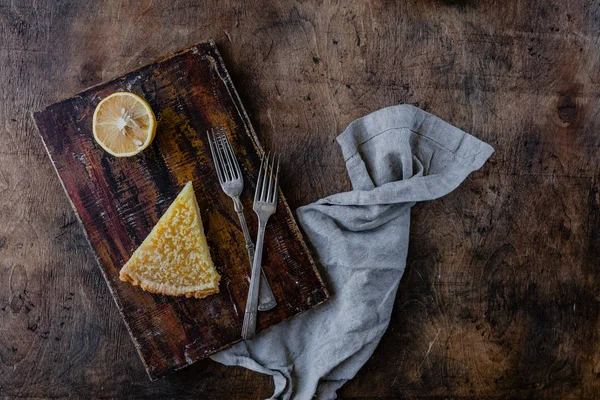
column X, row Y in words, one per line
column 114, row 296
column 176, row 53
column 250, row 131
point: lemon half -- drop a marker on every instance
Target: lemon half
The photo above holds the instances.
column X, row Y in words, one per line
column 124, row 124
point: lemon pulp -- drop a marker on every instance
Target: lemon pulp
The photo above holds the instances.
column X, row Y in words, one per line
column 124, row 124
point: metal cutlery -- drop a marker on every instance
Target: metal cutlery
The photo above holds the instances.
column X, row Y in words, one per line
column 232, row 183
column 265, row 204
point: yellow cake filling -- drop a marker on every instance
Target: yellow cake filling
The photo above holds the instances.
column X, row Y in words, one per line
column 175, row 259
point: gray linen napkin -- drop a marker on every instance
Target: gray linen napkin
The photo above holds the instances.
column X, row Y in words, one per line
column 395, row 157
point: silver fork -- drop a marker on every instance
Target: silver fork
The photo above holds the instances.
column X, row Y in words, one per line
column 232, row 183
column 265, row 203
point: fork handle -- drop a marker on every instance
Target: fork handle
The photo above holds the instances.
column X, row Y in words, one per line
column 266, row 299
column 249, row 326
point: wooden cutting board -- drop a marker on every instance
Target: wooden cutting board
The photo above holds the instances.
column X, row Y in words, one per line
column 119, row 200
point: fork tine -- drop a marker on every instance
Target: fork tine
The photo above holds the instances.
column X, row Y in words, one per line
column 231, row 155
column 236, row 165
column 258, row 180
column 226, row 175
column 214, row 157
column 274, row 195
column 229, row 162
column 264, row 186
column 217, row 143
column 269, row 190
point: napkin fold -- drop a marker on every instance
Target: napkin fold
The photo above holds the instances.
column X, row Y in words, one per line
column 395, row 157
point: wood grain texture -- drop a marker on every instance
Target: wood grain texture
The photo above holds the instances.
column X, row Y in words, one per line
column 120, row 200
column 500, row 297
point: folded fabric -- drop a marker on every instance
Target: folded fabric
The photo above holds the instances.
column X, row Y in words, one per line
column 395, row 157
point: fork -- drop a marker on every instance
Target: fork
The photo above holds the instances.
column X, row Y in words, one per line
column 265, row 203
column 232, row 183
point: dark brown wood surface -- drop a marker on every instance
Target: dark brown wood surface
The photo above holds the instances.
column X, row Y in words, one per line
column 120, row 200
column 500, row 297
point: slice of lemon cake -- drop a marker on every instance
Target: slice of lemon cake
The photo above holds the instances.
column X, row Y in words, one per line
column 174, row 259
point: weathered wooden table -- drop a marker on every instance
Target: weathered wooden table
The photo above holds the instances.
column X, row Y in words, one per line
column 500, row 296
